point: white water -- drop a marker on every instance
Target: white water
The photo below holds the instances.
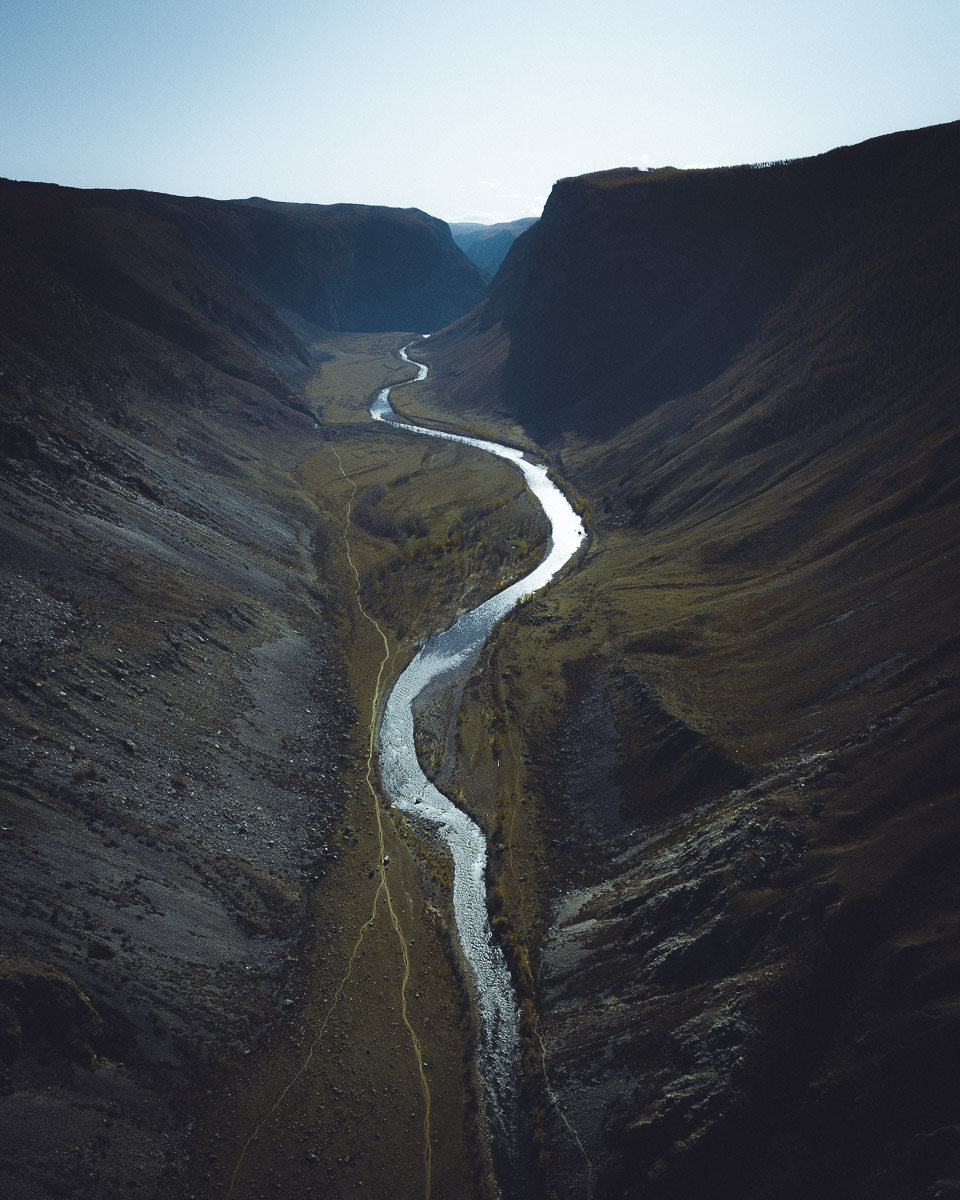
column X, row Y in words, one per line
column 410, row 791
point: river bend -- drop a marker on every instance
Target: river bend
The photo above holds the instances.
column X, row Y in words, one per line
column 408, row 789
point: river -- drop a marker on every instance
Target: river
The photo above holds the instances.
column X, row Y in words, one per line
column 443, row 658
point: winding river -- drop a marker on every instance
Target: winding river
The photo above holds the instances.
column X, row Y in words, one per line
column 443, row 658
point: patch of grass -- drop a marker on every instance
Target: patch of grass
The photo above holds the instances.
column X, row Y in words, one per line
column 434, row 527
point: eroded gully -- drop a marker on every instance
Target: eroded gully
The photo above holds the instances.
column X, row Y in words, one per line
column 441, row 660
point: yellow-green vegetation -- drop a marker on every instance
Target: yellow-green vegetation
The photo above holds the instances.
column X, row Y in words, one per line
column 406, row 532
column 437, row 527
column 484, row 549
column 355, row 367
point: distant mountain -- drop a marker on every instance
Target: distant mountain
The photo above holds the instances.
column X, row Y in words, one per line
column 744, row 800
column 92, row 275
column 488, row 245
column 357, row 267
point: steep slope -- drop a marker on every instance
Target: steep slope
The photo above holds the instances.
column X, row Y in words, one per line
column 177, row 698
column 172, row 713
column 640, row 286
column 108, row 299
column 354, row 267
column 215, row 277
column 728, row 801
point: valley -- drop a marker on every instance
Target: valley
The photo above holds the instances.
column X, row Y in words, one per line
column 714, row 763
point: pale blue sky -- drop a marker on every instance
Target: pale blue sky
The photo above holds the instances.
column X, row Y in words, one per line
column 469, row 112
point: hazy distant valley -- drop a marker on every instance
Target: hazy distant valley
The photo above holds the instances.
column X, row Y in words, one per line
column 715, row 761
column 488, row 245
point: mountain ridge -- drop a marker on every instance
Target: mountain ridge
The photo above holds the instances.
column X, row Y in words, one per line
column 334, row 266
column 695, row 310
column 734, row 725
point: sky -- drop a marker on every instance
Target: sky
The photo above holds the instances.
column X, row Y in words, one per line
column 470, row 112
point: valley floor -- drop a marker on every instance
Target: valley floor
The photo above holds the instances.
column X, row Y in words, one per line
column 203, row 989
column 716, row 764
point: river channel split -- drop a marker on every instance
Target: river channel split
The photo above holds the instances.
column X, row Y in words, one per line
column 442, row 659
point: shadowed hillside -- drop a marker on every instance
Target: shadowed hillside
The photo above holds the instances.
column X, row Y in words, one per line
column 179, row 680
column 636, row 287
column 729, row 809
column 220, row 279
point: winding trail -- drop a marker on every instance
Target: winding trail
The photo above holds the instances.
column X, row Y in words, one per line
column 382, row 891
column 383, row 888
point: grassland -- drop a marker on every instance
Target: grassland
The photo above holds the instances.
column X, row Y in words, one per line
column 354, row 1109
column 187, row 818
